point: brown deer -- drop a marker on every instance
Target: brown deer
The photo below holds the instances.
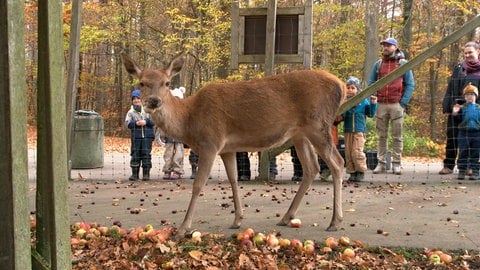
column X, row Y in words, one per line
column 247, row 116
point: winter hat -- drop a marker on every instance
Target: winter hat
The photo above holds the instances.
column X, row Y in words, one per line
column 135, row 93
column 390, row 41
column 470, row 89
column 355, row 81
column 178, row 92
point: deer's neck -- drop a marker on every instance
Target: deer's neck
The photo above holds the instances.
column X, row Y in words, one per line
column 171, row 117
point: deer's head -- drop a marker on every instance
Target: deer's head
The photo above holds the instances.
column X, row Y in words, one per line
column 154, row 83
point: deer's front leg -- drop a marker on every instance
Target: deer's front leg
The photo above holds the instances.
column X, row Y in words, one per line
column 205, row 164
column 230, row 162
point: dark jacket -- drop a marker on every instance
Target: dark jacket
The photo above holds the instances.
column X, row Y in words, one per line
column 138, row 132
column 457, row 82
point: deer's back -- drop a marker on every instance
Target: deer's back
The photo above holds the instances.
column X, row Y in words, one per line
column 267, row 108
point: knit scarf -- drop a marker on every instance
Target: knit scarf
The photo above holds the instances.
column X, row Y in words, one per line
column 471, row 67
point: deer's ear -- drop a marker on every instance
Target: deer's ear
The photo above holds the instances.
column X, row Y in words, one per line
column 175, row 66
column 130, row 65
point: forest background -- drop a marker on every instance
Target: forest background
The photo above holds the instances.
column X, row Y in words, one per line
column 346, row 36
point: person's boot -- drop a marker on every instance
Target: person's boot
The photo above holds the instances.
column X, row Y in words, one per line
column 134, row 175
column 194, row 172
column 475, row 175
column 353, row 177
column 461, row 174
column 146, row 174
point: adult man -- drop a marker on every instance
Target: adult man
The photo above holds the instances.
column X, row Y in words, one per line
column 463, row 73
column 392, row 101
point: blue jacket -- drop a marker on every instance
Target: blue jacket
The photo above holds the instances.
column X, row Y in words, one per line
column 470, row 115
column 355, row 119
column 138, row 132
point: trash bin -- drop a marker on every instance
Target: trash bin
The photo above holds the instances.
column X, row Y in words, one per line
column 372, row 160
column 87, row 144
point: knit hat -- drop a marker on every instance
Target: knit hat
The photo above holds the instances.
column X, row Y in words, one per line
column 178, row 92
column 470, row 89
column 135, row 93
column 390, row 41
column 355, row 81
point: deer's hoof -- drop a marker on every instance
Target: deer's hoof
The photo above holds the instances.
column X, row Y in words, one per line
column 282, row 223
column 331, row 228
column 235, row 226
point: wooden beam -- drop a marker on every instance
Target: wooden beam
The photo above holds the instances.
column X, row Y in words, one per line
column 53, row 230
column 463, row 31
column 14, row 210
column 72, row 76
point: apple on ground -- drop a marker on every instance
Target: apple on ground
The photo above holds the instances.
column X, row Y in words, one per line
column 348, row 253
column 331, row 242
column 295, row 223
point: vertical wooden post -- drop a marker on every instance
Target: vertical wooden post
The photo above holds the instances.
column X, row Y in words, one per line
column 72, row 76
column 53, row 233
column 270, row 37
column 15, row 237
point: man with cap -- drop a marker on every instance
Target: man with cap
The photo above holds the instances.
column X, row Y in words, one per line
column 468, row 133
column 392, row 101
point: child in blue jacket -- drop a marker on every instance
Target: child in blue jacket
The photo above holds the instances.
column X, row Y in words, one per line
column 354, row 131
column 142, row 135
column 468, row 133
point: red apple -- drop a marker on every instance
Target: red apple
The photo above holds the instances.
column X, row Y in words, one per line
column 296, row 244
column 309, row 248
column 80, row 232
column 331, row 242
column 344, row 241
column 103, row 230
column 284, row 242
column 295, row 223
column 259, row 239
column 445, row 258
column 250, row 232
column 272, row 240
column 348, row 253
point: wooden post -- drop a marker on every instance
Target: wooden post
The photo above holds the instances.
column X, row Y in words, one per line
column 15, row 239
column 72, row 76
column 264, row 157
column 53, row 230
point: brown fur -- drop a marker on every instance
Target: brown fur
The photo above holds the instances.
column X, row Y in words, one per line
column 246, row 116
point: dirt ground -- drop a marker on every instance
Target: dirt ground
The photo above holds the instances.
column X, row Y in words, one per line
column 416, row 209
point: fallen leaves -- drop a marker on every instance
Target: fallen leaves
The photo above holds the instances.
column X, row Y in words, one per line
column 117, row 248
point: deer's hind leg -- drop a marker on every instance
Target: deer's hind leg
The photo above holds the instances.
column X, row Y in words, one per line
column 230, row 162
column 310, row 168
column 326, row 149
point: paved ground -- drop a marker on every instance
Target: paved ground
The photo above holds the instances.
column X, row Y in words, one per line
column 416, row 209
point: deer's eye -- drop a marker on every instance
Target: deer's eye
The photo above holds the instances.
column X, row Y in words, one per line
column 167, row 84
column 141, row 84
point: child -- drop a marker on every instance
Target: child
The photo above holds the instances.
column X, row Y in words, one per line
column 468, row 133
column 354, row 131
column 173, row 155
column 142, row 135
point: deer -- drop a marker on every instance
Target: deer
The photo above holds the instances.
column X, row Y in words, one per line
column 249, row 116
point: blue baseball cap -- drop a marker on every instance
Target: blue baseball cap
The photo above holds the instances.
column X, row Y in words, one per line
column 390, row 41
column 135, row 93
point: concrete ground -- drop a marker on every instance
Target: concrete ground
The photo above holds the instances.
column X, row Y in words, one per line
column 419, row 208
